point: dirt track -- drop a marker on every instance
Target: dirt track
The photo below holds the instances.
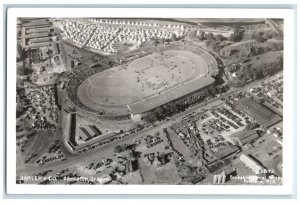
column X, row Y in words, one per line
column 113, row 89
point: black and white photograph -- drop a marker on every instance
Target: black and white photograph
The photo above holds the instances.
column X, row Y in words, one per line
column 161, row 100
column 149, row 101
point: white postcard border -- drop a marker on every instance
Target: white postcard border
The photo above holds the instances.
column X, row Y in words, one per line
column 288, row 112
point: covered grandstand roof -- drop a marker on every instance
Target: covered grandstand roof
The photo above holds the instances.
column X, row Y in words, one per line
column 169, row 95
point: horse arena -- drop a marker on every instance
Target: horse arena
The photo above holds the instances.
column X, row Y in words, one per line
column 111, row 91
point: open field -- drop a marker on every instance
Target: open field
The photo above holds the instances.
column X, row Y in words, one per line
column 141, row 78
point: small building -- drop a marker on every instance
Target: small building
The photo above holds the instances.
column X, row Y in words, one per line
column 245, row 137
column 136, row 117
column 251, row 164
column 95, row 130
column 85, row 134
column 220, row 178
column 90, row 131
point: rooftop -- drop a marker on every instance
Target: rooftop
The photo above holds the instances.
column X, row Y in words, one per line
column 171, row 94
column 251, row 163
column 246, row 136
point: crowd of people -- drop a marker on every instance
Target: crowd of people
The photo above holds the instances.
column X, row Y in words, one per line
column 106, row 36
column 207, row 57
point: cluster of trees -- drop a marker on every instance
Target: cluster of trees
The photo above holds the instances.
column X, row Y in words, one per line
column 236, row 36
column 251, row 48
column 24, row 69
column 258, row 49
column 212, row 46
column 249, row 72
column 219, row 89
column 23, row 102
column 238, row 52
column 19, row 52
column 212, row 41
column 211, row 37
column 259, row 37
column 264, row 36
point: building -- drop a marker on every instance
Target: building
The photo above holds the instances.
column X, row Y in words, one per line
column 95, row 130
column 196, row 87
column 224, row 152
column 251, row 164
column 85, row 135
column 245, row 137
column 219, row 179
column 37, row 33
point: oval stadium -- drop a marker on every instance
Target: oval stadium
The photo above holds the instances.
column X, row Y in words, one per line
column 147, row 82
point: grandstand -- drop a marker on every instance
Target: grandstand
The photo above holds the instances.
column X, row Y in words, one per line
column 166, row 73
column 169, row 95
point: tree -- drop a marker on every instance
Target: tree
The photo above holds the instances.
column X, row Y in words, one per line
column 237, row 34
column 202, row 35
column 173, row 37
column 219, row 37
column 211, row 45
column 259, row 37
column 210, row 37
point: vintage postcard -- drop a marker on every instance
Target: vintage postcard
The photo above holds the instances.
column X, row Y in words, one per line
column 144, row 101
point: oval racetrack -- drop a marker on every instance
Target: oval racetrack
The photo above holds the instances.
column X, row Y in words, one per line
column 113, row 89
